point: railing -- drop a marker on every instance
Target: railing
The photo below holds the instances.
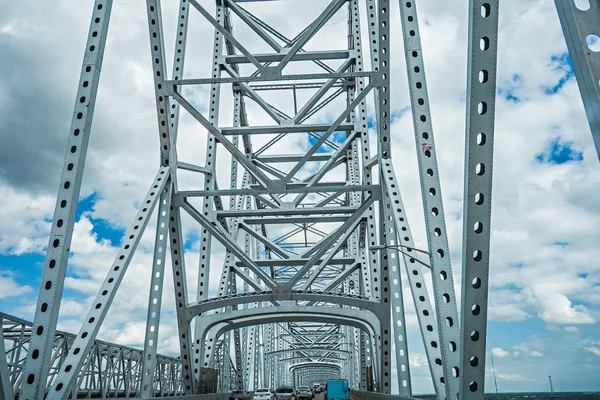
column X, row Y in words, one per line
column 110, row 370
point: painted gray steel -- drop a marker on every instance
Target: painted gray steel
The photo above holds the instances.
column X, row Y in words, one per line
column 312, row 239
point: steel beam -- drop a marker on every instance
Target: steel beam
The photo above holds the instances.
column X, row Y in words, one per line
column 431, row 193
column 85, row 338
column 7, row 390
column 420, row 295
column 479, row 146
column 578, row 26
column 392, row 260
column 61, row 232
column 155, row 297
column 204, row 264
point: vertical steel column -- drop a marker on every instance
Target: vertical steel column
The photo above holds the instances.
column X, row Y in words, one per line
column 226, row 362
column 275, row 359
column 167, row 123
column 381, row 51
column 390, row 238
column 259, row 356
column 175, row 233
column 237, row 121
column 239, row 376
column 209, row 181
column 155, row 296
column 363, row 361
column 425, row 314
column 256, row 360
column 244, row 332
column 266, row 361
column 358, row 371
column 269, row 374
column 248, row 353
column 479, row 146
column 6, row 389
column 180, row 290
column 433, row 208
column 577, row 25
column 366, row 358
column 55, row 266
column 371, row 265
column 352, row 154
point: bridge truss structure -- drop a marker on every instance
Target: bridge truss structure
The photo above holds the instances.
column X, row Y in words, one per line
column 305, row 206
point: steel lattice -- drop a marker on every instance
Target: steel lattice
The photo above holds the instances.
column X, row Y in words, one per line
column 310, row 286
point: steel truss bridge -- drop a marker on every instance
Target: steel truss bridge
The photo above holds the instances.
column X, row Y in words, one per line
column 314, row 237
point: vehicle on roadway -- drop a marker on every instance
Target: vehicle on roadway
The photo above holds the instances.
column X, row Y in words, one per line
column 285, row 393
column 336, row 389
column 303, row 393
column 316, row 388
column 262, row 394
column 239, row 395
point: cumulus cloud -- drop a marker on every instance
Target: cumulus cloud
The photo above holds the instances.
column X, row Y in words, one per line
column 24, row 215
column 10, row 287
column 593, row 349
column 500, row 353
column 515, row 377
column 557, row 308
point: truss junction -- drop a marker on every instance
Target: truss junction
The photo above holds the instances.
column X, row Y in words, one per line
column 314, row 238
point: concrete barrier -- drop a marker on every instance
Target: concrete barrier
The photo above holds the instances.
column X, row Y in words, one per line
column 361, row 395
column 208, row 396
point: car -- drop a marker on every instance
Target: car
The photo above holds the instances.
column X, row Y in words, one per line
column 262, row 394
column 239, row 395
column 285, row 393
column 303, row 393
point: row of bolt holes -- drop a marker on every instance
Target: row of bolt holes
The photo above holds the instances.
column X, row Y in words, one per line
column 105, row 292
column 482, row 109
column 484, row 45
column 592, row 40
column 63, row 204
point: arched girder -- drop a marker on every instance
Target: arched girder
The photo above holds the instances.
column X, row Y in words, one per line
column 218, row 324
column 313, row 357
column 315, row 365
column 273, row 353
column 235, row 319
column 257, row 297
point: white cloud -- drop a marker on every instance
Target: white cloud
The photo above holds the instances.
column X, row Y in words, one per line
column 10, row 287
column 557, row 308
column 418, row 360
column 132, row 334
column 28, row 214
column 515, row 377
column 500, row 353
column 534, row 346
column 593, row 349
column 571, row 329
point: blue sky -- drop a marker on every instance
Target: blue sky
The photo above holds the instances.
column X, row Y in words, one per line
column 545, row 277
